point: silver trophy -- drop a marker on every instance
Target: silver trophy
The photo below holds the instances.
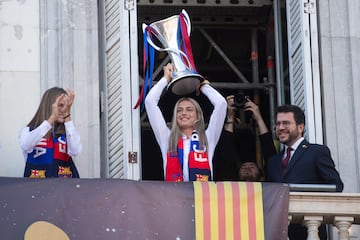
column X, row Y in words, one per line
column 185, row 78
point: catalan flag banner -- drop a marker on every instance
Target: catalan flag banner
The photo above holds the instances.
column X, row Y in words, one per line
column 235, row 210
column 155, row 210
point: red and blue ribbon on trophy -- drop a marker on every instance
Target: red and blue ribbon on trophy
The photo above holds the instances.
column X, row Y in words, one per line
column 183, row 50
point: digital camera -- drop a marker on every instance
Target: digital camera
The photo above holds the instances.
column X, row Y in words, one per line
column 240, row 100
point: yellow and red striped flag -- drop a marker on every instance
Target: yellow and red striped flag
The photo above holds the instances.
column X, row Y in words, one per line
column 229, row 210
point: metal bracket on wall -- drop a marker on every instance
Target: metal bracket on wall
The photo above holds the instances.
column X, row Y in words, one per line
column 132, row 156
column 309, row 8
column 129, row 4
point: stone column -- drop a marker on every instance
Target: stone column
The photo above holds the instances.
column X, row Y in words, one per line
column 312, row 223
column 343, row 224
column 69, row 59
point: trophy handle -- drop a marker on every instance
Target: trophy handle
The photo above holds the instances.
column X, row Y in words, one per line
column 149, row 40
column 173, row 50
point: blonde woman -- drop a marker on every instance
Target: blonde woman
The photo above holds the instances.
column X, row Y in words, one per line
column 187, row 148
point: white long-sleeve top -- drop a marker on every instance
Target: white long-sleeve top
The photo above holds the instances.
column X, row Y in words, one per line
column 162, row 132
column 29, row 139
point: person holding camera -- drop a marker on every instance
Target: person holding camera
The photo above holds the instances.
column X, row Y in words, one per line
column 233, row 103
column 233, row 163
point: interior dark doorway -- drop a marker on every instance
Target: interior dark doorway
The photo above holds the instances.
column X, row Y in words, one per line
column 232, row 43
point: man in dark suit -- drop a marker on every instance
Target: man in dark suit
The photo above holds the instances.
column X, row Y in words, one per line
column 308, row 163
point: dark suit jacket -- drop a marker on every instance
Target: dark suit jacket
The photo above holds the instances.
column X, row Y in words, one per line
column 310, row 163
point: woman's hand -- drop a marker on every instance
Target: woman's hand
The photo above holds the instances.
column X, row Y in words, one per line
column 256, row 115
column 56, row 113
column 230, row 114
column 69, row 99
column 61, row 107
column 168, row 72
column 231, row 109
column 252, row 107
column 198, row 88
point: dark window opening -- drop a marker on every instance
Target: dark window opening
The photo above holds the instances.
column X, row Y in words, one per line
column 235, row 29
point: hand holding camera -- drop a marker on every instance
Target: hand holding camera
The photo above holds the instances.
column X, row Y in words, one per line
column 240, row 100
column 236, row 103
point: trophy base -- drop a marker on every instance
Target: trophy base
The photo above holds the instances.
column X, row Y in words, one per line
column 185, row 85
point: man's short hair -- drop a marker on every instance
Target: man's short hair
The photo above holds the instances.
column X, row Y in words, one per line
column 299, row 115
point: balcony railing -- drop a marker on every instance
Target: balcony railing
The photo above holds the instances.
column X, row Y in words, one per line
column 314, row 208
column 25, row 201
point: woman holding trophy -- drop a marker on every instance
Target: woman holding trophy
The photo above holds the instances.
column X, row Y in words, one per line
column 187, row 148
